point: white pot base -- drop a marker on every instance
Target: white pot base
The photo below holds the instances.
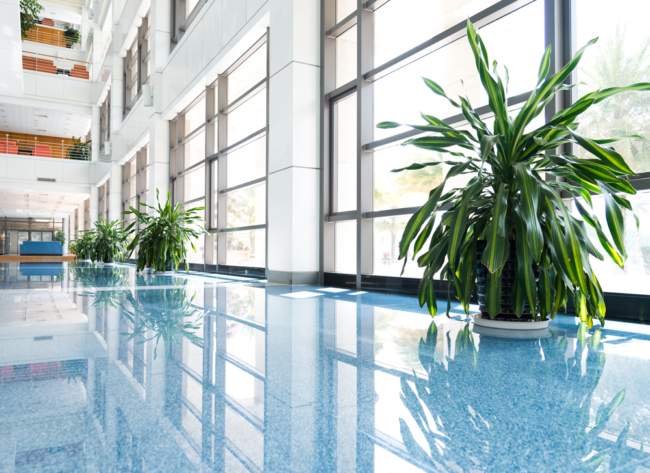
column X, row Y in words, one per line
column 510, row 324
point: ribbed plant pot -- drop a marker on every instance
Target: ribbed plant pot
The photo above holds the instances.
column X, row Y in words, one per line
column 506, row 319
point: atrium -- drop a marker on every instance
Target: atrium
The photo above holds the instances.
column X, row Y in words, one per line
column 324, row 235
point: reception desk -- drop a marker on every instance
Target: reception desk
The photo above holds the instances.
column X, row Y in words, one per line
column 39, row 248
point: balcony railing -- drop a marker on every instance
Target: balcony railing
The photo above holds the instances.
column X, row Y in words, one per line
column 52, row 37
column 14, row 143
column 54, row 65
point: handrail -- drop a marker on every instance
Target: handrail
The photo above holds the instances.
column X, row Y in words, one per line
column 44, row 148
column 54, row 37
column 56, row 65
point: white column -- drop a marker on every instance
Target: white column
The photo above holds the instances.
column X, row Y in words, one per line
column 95, row 133
column 294, row 146
column 160, row 42
column 117, row 84
column 115, row 196
column 66, row 232
column 94, row 206
column 81, row 213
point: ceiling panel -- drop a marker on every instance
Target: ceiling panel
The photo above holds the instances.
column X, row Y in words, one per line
column 38, row 204
column 43, row 121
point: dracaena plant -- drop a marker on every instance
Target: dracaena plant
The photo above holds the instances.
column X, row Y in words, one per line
column 109, row 242
column 508, row 198
column 163, row 234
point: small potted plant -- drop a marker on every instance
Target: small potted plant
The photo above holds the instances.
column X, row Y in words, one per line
column 60, row 237
column 71, row 36
column 109, row 242
column 161, row 242
column 79, row 150
column 508, row 231
column 82, row 247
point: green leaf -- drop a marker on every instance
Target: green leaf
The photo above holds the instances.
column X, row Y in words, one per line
column 388, row 125
column 525, row 262
column 544, row 66
column 545, row 289
column 438, row 90
column 417, row 220
column 494, row 255
column 615, row 221
column 607, row 156
column 493, row 293
column 529, row 198
column 458, row 226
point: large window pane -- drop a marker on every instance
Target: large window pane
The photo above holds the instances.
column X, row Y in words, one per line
column 619, row 58
column 194, row 185
column 403, row 24
column 247, row 206
column 195, row 150
column 249, row 73
column 402, row 95
column 246, row 248
column 215, row 192
column 344, row 8
column 406, row 188
column 634, row 278
column 345, row 235
column 199, row 243
column 195, row 117
column 247, row 303
column 345, row 153
column 247, row 163
column 248, row 118
column 346, row 57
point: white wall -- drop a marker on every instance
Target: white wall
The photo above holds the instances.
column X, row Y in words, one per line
column 57, row 88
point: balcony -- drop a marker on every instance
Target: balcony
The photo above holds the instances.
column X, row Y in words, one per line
column 52, row 36
column 32, row 61
column 42, row 146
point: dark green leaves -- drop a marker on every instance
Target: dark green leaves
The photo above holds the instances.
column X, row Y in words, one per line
column 417, row 220
column 608, row 156
column 495, row 254
column 615, row 221
column 529, row 199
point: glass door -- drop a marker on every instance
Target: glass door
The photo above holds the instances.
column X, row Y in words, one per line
column 46, row 236
column 36, row 236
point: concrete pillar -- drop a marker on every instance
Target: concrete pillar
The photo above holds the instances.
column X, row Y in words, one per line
column 117, row 85
column 294, row 146
column 95, row 133
column 115, row 192
column 81, row 213
column 66, row 232
column 94, row 206
column 158, row 173
column 160, row 40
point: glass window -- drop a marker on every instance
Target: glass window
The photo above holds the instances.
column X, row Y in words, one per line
column 46, row 236
column 189, row 6
column 344, row 8
column 246, row 248
column 345, row 149
column 215, row 192
column 195, row 117
column 247, row 118
column 402, row 95
column 619, row 58
column 400, row 25
column 194, row 185
column 249, row 73
column 247, row 163
column 346, row 57
column 36, row 236
column 246, row 302
column 199, row 243
column 346, row 247
column 195, row 150
column 634, row 278
column 247, row 206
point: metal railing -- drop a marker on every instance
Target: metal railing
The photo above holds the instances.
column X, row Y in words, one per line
column 46, row 147
column 53, row 37
column 33, row 61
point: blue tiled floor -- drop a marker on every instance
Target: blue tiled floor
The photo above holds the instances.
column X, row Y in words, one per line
column 105, row 370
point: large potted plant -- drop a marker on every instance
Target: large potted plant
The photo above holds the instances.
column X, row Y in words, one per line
column 110, row 241
column 509, row 227
column 161, row 240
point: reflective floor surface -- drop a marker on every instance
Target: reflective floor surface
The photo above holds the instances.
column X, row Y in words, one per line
column 102, row 369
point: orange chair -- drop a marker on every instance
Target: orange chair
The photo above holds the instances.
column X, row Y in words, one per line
column 41, row 150
column 8, row 147
column 80, row 72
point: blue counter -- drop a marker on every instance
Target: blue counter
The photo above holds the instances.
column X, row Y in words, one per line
column 41, row 248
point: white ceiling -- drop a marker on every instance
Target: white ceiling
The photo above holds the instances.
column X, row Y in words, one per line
column 42, row 121
column 68, row 11
column 38, row 204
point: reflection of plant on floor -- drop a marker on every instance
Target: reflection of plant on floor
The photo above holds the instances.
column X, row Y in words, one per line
column 100, row 279
column 474, row 421
column 162, row 314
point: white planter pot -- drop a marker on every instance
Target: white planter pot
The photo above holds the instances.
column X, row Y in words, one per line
column 510, row 324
